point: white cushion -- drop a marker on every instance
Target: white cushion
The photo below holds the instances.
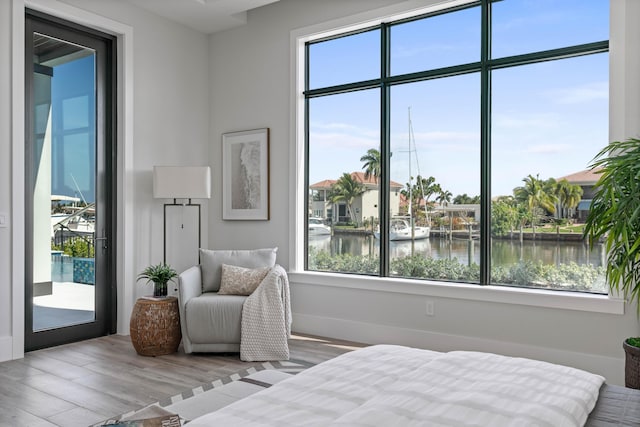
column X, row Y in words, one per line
column 213, row 318
column 211, row 263
column 241, row 281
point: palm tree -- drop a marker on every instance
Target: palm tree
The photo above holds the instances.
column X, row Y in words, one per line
column 536, row 194
column 420, row 192
column 371, row 164
column 346, row 189
column 444, row 196
column 569, row 195
column 411, row 193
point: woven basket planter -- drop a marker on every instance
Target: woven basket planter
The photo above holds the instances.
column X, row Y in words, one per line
column 631, row 366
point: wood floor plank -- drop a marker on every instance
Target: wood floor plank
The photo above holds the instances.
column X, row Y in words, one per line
column 15, row 416
column 78, row 417
column 16, row 370
column 32, row 400
column 85, row 382
column 76, row 394
column 61, row 368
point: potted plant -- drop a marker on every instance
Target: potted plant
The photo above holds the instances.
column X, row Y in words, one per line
column 614, row 218
column 160, row 275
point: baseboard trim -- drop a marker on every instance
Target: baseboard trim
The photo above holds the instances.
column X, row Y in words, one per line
column 609, row 367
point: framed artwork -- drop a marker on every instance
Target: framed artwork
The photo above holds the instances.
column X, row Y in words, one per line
column 245, row 175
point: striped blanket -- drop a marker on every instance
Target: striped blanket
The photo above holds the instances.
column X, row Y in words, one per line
column 387, row 385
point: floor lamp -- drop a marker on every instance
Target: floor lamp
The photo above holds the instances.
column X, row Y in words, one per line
column 184, row 183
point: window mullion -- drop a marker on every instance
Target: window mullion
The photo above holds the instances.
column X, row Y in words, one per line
column 485, row 145
column 385, row 150
column 306, row 156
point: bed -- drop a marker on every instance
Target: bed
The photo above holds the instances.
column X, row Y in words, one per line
column 387, row 385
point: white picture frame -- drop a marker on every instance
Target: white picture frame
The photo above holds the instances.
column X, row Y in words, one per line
column 245, row 175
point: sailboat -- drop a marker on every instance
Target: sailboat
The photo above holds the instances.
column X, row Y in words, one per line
column 403, row 227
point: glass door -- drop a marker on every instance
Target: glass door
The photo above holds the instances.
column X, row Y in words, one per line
column 69, row 282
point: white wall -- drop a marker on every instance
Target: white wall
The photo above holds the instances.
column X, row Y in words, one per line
column 171, row 77
column 168, row 93
column 251, row 87
column 5, row 180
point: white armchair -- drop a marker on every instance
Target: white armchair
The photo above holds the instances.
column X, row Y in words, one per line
column 211, row 320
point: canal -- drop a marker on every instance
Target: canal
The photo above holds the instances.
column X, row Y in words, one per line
column 503, row 252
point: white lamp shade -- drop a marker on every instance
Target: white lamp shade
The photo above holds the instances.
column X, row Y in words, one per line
column 181, row 182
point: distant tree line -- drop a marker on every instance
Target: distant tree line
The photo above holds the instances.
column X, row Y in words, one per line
column 530, row 204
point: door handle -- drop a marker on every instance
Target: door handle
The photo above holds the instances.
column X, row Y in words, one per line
column 104, row 241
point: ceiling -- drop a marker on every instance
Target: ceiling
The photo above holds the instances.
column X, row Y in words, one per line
column 207, row 16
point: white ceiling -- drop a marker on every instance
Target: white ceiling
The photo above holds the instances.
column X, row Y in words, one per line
column 207, row 16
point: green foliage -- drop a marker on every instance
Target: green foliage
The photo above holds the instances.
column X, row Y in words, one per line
column 572, row 276
column 76, row 247
column 345, row 263
column 565, row 276
column 504, row 217
column 538, row 196
column 569, row 196
column 372, row 164
column 436, row 269
column 421, row 192
column 160, row 273
column 346, row 189
column 464, row 199
column 634, row 341
column 615, row 215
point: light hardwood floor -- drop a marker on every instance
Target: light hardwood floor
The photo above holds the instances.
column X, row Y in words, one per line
column 84, row 383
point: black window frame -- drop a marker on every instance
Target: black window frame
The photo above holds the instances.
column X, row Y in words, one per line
column 485, row 66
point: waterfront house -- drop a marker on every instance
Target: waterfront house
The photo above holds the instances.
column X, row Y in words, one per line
column 586, row 179
column 365, row 206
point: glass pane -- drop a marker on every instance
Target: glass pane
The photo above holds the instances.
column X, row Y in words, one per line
column 344, row 60
column 435, row 173
column 439, row 41
column 525, row 26
column 548, row 122
column 343, row 168
column 64, row 191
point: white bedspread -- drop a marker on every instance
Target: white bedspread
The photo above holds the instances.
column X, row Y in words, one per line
column 399, row 386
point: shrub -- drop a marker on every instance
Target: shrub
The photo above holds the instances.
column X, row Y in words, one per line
column 572, row 276
column 76, row 247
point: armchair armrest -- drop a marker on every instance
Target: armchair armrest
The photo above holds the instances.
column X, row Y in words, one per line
column 190, row 284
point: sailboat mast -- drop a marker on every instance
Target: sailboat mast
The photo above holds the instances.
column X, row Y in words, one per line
column 410, row 176
column 410, row 181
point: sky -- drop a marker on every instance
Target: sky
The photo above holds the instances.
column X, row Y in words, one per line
column 72, row 93
column 548, row 119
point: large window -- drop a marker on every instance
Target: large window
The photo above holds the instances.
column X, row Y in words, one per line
column 456, row 145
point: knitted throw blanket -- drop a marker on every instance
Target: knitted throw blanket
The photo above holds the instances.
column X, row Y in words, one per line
column 266, row 319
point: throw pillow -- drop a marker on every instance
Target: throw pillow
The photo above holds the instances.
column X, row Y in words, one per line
column 211, row 263
column 241, row 281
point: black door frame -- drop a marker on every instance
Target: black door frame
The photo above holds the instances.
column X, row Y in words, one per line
column 106, row 177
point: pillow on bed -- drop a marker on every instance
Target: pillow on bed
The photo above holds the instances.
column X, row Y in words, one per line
column 211, row 263
column 239, row 280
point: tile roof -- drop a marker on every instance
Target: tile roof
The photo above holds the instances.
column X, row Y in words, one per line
column 587, row 176
column 357, row 176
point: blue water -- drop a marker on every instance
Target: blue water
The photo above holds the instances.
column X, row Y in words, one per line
column 503, row 252
column 61, row 268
